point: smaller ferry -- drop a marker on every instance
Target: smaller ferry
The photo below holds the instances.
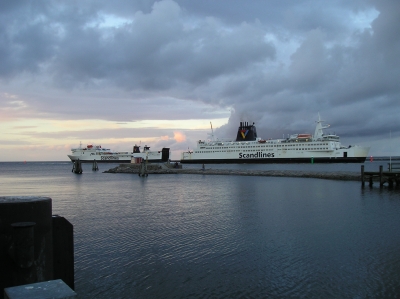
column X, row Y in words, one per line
column 99, row 154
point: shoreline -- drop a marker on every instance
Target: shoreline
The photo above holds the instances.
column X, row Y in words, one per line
column 157, row 169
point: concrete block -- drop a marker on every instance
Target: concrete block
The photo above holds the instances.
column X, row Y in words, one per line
column 55, row 289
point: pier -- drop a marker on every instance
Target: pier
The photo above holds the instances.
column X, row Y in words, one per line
column 172, row 169
column 391, row 176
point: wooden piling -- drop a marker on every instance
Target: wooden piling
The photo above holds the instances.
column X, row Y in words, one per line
column 143, row 168
column 362, row 175
column 391, row 177
column 77, row 167
column 95, row 167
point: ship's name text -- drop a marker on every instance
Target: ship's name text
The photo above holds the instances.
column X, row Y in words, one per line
column 256, row 155
column 109, row 158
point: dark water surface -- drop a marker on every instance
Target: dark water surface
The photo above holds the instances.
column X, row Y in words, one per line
column 199, row 236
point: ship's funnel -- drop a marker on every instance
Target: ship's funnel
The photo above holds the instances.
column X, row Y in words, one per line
column 246, row 132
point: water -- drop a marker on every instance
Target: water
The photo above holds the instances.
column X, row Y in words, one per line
column 199, row 236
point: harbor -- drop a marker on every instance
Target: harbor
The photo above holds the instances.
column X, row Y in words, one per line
column 240, row 235
column 200, row 149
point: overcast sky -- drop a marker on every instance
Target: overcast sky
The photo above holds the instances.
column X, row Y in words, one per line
column 124, row 72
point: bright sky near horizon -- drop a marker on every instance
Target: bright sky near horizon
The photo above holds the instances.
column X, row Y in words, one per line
column 158, row 72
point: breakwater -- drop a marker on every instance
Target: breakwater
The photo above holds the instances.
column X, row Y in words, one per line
column 164, row 169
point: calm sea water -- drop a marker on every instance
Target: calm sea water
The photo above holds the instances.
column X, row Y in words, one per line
column 199, row 236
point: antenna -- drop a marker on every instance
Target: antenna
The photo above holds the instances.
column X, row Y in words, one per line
column 390, row 157
column 212, row 132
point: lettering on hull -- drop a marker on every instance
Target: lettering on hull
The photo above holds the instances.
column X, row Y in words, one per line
column 110, row 158
column 256, row 155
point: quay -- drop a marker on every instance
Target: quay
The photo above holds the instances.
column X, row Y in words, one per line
column 391, row 176
column 169, row 169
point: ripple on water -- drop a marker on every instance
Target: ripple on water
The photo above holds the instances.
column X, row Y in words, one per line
column 224, row 237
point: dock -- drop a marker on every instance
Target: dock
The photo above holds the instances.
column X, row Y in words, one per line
column 171, row 169
column 391, row 176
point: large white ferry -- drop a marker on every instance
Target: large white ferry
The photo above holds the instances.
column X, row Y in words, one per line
column 96, row 153
column 298, row 148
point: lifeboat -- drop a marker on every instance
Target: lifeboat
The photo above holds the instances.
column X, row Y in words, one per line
column 261, row 141
column 304, row 136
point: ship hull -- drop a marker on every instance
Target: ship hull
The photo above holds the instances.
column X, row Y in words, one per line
column 265, row 155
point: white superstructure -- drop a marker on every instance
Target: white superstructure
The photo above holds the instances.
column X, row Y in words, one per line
column 298, row 148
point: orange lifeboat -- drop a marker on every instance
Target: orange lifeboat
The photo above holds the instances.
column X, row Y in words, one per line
column 304, row 136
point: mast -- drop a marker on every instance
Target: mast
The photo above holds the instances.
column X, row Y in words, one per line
column 212, row 132
column 390, row 152
column 319, row 129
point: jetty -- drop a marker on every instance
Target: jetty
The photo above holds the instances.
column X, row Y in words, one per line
column 391, row 176
column 171, row 169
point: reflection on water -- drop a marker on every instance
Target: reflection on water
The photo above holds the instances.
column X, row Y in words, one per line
column 199, row 236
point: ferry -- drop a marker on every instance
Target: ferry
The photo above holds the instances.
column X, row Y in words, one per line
column 297, row 148
column 96, row 153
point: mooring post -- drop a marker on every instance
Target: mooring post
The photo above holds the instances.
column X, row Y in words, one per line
column 143, row 168
column 35, row 247
column 380, row 175
column 26, row 250
column 77, row 168
column 362, row 175
column 390, row 182
column 95, row 167
column 63, row 250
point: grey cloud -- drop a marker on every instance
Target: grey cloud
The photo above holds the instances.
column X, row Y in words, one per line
column 156, row 51
column 215, row 52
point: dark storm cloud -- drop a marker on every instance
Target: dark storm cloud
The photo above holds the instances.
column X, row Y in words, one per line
column 354, row 83
column 151, row 51
column 157, row 52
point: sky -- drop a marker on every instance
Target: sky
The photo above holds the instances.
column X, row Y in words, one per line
column 159, row 73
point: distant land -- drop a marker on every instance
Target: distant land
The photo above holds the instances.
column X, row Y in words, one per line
column 380, row 158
